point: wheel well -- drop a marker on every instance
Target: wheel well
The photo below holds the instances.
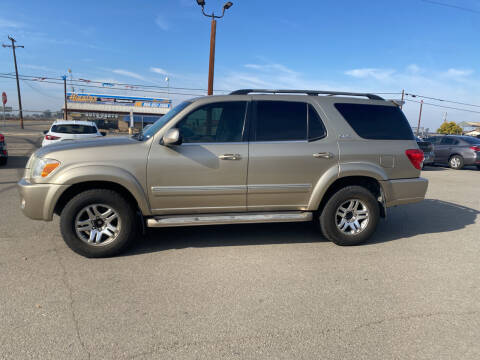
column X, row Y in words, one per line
column 78, row 188
column 369, row 183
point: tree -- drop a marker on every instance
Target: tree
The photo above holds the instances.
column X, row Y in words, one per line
column 450, row 128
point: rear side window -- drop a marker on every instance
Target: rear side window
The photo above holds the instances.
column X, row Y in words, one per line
column 74, row 129
column 281, row 121
column 376, row 122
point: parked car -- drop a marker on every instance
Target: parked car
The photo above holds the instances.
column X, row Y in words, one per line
column 3, row 150
column 62, row 130
column 456, row 150
column 248, row 157
column 428, row 153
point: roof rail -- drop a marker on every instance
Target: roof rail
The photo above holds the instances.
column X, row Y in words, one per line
column 308, row 92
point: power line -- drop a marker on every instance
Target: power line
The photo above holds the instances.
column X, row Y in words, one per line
column 445, row 107
column 82, row 82
column 452, row 6
column 443, row 100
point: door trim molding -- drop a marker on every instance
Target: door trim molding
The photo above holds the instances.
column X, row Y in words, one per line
column 198, row 190
column 278, row 188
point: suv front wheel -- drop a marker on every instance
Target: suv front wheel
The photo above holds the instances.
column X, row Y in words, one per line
column 350, row 216
column 98, row 223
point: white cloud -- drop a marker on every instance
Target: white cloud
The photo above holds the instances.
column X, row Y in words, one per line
column 128, row 74
column 159, row 70
column 378, row 74
column 455, row 73
column 414, row 69
column 162, row 22
column 4, row 23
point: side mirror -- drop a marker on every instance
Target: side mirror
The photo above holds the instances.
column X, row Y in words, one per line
column 104, row 133
column 45, row 132
column 172, row 137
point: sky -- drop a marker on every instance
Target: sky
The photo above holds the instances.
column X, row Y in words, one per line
column 429, row 48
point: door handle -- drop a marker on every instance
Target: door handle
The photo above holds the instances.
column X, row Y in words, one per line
column 230, row 157
column 323, row 155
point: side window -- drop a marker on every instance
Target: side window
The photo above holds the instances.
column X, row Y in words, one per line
column 376, row 122
column 316, row 129
column 447, row 141
column 218, row 122
column 280, row 121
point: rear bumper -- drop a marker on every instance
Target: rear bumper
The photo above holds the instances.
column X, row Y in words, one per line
column 404, row 191
column 38, row 200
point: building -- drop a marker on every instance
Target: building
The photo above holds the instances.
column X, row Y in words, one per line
column 114, row 111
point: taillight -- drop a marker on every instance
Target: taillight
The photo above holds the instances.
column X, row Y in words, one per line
column 475, row 148
column 2, row 138
column 416, row 157
column 51, row 137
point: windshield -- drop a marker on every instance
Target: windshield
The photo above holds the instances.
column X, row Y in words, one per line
column 157, row 125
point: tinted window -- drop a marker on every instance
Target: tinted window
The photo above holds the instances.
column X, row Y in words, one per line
column 377, row 122
column 281, row 121
column 163, row 120
column 74, row 129
column 447, row 141
column 316, row 129
column 434, row 140
column 218, row 122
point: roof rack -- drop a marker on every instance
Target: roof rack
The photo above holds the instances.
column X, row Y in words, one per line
column 308, row 92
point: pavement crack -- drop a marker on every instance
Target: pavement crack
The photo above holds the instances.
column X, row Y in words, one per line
column 71, row 301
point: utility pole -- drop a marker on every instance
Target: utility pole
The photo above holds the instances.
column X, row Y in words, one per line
column 65, row 97
column 211, row 64
column 419, row 117
column 13, row 46
column 213, row 33
column 403, row 96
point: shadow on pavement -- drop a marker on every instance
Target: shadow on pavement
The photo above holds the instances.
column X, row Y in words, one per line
column 16, row 162
column 427, row 217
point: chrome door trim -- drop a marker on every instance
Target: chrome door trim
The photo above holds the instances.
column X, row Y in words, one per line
column 216, row 143
column 278, row 188
column 198, row 190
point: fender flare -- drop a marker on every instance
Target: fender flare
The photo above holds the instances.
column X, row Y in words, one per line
column 113, row 174
column 343, row 171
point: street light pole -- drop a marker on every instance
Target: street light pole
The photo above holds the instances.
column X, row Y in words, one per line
column 13, row 46
column 213, row 32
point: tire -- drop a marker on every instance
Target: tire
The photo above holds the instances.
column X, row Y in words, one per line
column 3, row 161
column 456, row 162
column 352, row 234
column 98, row 211
column 478, row 167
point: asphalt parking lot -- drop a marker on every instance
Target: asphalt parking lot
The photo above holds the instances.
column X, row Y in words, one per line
column 247, row 291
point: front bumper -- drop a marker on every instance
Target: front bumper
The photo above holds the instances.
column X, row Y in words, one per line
column 404, row 191
column 38, row 200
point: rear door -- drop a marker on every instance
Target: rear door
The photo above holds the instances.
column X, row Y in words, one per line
column 289, row 149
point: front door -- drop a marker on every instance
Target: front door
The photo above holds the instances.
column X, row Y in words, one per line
column 207, row 172
column 290, row 149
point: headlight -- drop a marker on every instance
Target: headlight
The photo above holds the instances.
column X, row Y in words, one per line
column 43, row 167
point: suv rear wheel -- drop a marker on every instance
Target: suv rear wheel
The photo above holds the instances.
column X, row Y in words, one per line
column 98, row 223
column 456, row 162
column 350, row 216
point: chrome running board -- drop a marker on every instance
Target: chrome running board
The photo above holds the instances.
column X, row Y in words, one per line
column 232, row 218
